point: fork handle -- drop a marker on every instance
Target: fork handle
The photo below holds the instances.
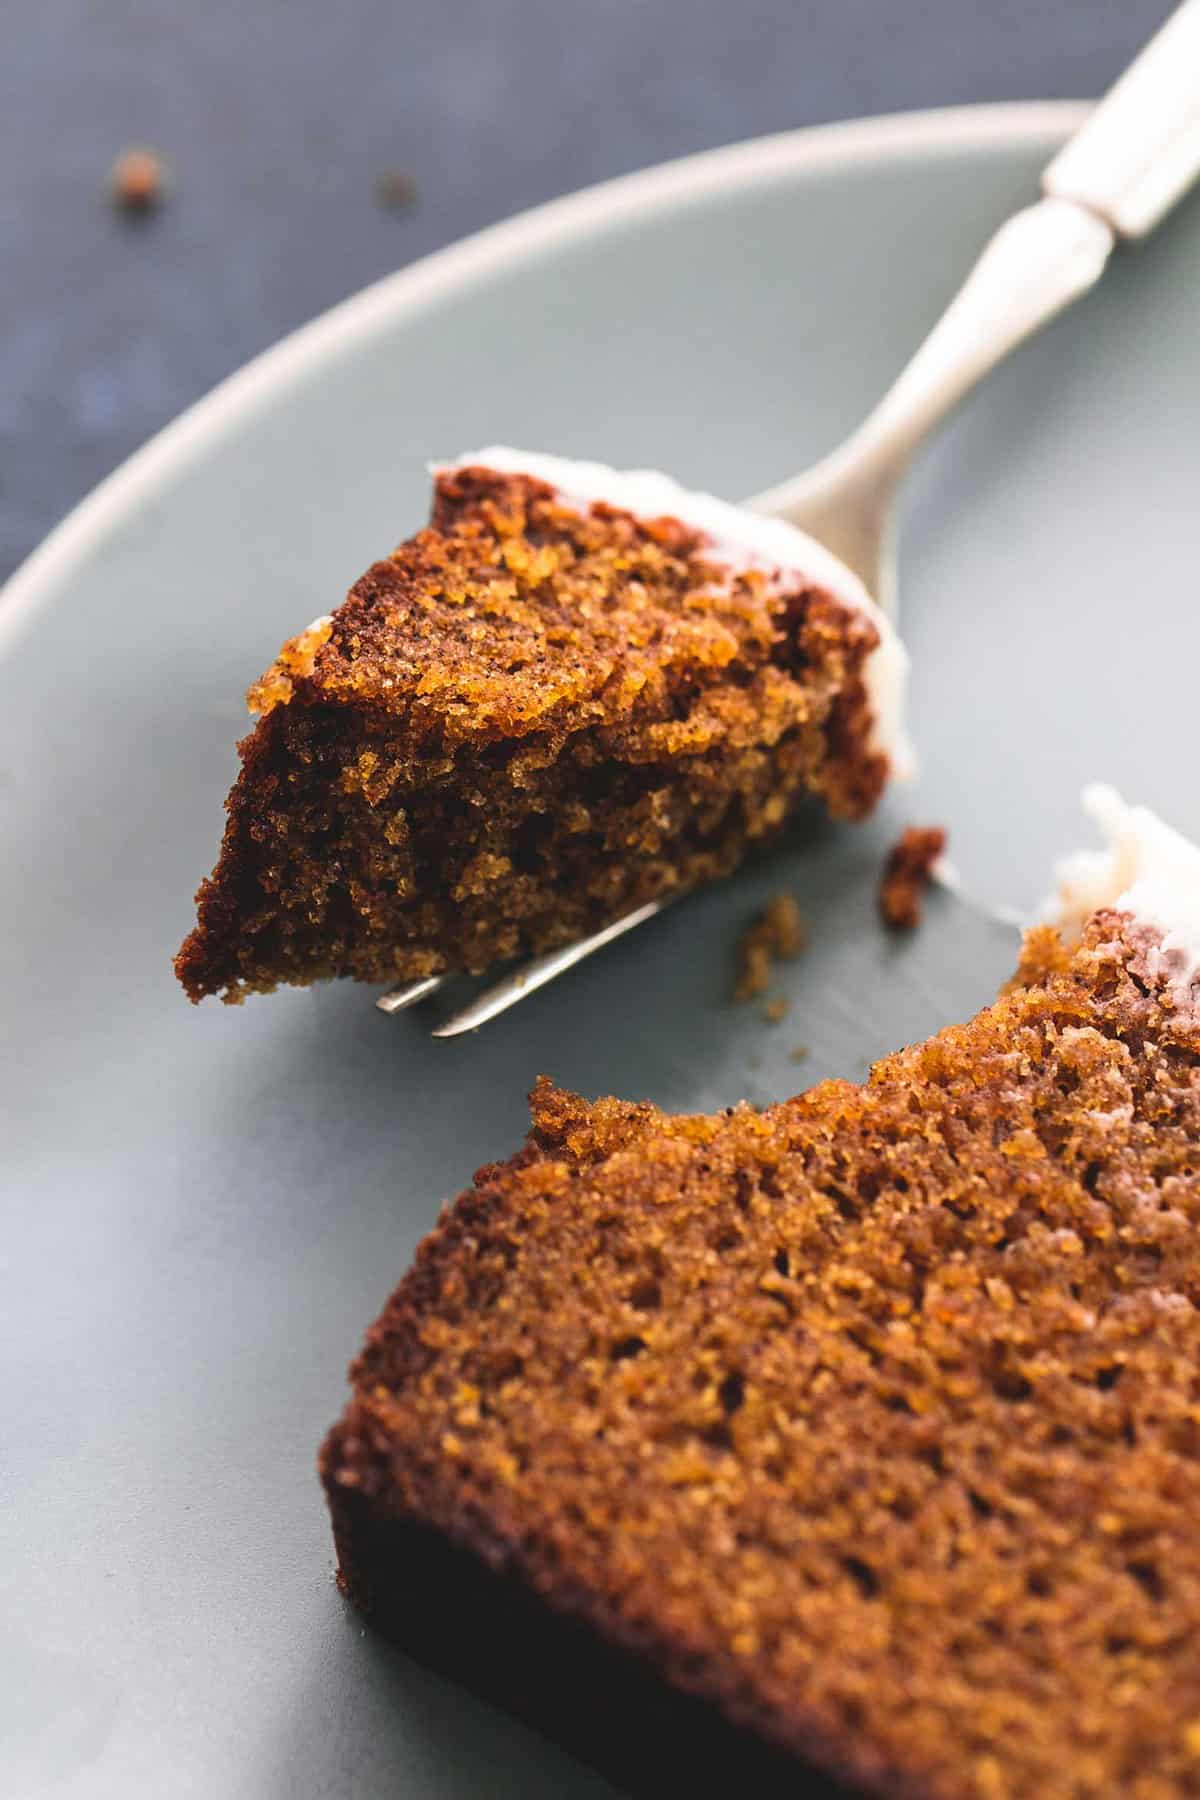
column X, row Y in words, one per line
column 1138, row 151
column 1039, row 261
column 1121, row 171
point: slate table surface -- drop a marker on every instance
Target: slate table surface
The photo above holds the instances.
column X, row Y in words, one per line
column 279, row 118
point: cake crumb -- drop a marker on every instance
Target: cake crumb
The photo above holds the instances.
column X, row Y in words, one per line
column 907, row 873
column 776, row 1010
column 138, row 180
column 396, row 190
column 779, row 931
column 296, row 661
column 799, row 1053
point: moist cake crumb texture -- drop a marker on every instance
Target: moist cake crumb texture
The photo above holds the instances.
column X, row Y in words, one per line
column 871, row 1419
column 532, row 716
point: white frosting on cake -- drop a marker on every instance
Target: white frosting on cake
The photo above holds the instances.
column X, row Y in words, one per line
column 1148, row 871
column 740, row 539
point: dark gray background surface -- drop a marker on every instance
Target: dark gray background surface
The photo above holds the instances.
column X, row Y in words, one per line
column 278, row 116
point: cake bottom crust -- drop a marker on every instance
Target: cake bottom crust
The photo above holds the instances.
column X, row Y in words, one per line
column 447, row 1609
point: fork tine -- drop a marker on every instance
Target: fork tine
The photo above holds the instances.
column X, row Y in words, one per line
column 407, row 993
column 547, row 967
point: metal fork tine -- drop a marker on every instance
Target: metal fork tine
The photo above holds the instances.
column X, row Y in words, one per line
column 407, row 993
column 552, row 963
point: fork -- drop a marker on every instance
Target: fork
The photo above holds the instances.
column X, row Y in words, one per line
column 1114, row 179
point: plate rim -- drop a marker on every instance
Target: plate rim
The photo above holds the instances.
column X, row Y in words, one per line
column 457, row 266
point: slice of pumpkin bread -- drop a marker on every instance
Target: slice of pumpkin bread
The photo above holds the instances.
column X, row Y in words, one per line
column 871, row 1421
column 576, row 691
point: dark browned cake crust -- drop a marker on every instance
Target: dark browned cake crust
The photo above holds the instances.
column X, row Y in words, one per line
column 526, row 720
column 872, row 1419
column 907, row 872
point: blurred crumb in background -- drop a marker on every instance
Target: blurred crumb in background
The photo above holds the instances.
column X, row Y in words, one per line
column 396, row 190
column 138, row 180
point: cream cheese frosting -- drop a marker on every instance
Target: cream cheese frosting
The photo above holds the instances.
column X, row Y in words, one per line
column 1147, row 871
column 740, row 539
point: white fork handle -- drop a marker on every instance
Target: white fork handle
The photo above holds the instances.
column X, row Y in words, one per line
column 1121, row 171
column 1140, row 149
column 1037, row 263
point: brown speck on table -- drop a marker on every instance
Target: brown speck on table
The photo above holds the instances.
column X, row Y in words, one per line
column 395, row 190
column 776, row 1009
column 799, row 1053
column 907, row 873
column 779, row 931
column 138, row 180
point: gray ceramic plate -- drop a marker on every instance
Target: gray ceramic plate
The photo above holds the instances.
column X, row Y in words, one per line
column 205, row 1208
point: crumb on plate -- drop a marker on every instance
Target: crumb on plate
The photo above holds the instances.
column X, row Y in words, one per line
column 779, row 931
column 907, row 873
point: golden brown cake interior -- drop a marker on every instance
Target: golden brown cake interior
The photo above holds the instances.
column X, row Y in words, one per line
column 527, row 719
column 873, row 1418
